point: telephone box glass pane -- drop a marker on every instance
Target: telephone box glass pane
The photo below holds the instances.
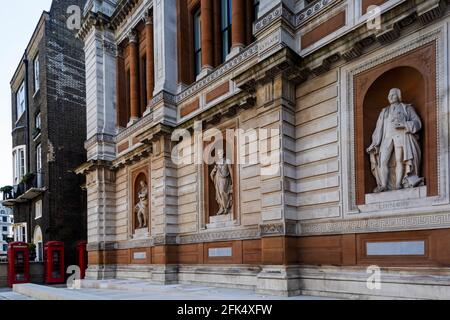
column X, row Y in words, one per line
column 56, row 265
column 19, row 266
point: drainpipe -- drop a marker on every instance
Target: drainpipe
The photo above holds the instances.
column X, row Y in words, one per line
column 27, row 135
column 27, row 113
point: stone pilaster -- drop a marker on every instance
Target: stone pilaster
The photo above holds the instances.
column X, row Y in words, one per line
column 100, row 53
column 164, row 191
column 100, row 184
column 150, row 63
column 165, row 26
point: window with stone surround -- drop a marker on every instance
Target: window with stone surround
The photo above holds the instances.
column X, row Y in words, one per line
column 197, row 42
column 225, row 27
column 20, row 101
column 19, row 163
column 36, row 74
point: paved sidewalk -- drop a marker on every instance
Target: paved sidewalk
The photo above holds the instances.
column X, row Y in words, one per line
column 139, row 290
column 8, row 294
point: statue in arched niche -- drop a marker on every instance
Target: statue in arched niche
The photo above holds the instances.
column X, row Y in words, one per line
column 221, row 176
column 141, row 207
column 395, row 154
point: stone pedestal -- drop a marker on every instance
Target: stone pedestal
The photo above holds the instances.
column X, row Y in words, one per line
column 141, row 234
column 223, row 221
column 403, row 194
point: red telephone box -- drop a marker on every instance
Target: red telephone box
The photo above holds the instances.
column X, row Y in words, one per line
column 82, row 258
column 18, row 263
column 54, row 262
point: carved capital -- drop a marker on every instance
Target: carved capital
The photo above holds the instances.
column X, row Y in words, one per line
column 148, row 17
column 133, row 36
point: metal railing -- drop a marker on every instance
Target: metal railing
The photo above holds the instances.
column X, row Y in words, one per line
column 38, row 182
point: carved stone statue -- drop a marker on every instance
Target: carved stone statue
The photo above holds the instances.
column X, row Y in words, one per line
column 142, row 205
column 221, row 176
column 395, row 154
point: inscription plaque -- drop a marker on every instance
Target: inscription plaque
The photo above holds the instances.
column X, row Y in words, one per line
column 220, row 252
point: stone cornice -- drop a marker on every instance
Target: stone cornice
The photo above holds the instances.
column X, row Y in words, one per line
column 91, row 165
column 281, row 12
column 133, row 156
column 381, row 224
column 285, row 62
column 122, row 11
column 99, row 138
column 354, row 43
column 93, row 19
column 222, row 70
column 154, row 133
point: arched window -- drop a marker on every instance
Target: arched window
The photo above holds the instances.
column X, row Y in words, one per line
column 37, row 240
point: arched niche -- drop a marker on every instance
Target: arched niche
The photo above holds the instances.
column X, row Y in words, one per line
column 415, row 76
column 140, row 177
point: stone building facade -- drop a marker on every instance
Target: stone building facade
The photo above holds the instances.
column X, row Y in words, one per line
column 6, row 223
column 48, row 132
column 300, row 85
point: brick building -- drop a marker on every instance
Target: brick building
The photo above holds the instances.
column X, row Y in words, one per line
column 304, row 82
column 48, row 132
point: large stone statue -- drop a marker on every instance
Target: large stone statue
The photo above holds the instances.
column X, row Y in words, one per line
column 142, row 206
column 221, row 176
column 395, row 153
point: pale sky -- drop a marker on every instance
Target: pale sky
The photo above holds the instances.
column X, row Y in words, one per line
column 18, row 20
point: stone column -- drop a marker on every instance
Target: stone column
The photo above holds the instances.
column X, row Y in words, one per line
column 149, row 56
column 165, row 48
column 238, row 33
column 134, row 77
column 207, row 34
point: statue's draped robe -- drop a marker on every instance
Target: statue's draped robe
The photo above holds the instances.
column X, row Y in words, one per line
column 222, row 183
column 411, row 153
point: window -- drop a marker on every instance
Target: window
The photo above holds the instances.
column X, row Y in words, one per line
column 36, row 74
column 5, row 229
column 197, row 42
column 20, row 101
column 5, row 247
column 37, row 240
column 5, row 219
column 20, row 232
column 225, row 21
column 39, row 158
column 19, row 167
column 255, row 9
column 37, row 121
column 38, row 209
column 2, row 212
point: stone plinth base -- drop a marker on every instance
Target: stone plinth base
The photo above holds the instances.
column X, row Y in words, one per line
column 141, row 234
column 335, row 282
column 223, row 221
column 402, row 194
